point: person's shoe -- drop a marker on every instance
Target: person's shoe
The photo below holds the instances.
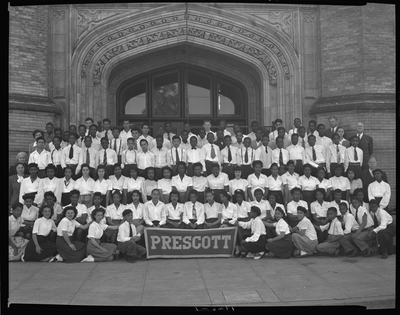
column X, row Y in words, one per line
column 89, row 258
column 243, row 255
column 336, row 253
column 116, row 256
column 271, row 254
column 259, row 255
column 368, row 252
column 354, row 253
column 130, row 259
column 22, row 258
column 384, row 256
column 250, row 255
column 237, row 255
column 53, row 259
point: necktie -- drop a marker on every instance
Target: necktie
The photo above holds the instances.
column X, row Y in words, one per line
column 266, row 150
column 355, row 155
column 280, row 157
column 194, row 213
column 87, row 157
column 356, row 216
column 177, row 155
column 376, row 223
column 134, row 145
column 115, row 145
column 246, row 156
column 105, row 157
column 130, row 230
column 212, row 152
column 333, row 130
column 338, row 153
column 303, row 143
column 71, row 152
column 82, row 140
column 169, row 137
column 329, row 226
column 314, row 155
column 229, row 154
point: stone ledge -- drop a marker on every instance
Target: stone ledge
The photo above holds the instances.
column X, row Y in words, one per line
column 364, row 101
column 33, row 103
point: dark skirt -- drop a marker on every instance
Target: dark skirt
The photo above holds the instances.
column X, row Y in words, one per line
column 298, row 168
column 98, row 254
column 48, row 249
column 278, row 195
column 69, row 255
column 282, row 248
column 170, row 226
column 266, row 171
column 217, row 197
column 255, row 247
column 246, row 171
column 65, row 200
column 200, row 197
column 126, row 171
column 210, row 220
column 308, row 196
column 59, row 171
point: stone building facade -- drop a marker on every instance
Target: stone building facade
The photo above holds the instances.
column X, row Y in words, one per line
column 68, row 62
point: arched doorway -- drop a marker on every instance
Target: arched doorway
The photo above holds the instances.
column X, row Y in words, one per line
column 181, row 93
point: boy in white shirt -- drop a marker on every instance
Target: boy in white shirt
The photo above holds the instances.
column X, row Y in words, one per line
column 129, row 158
column 335, row 233
column 193, row 212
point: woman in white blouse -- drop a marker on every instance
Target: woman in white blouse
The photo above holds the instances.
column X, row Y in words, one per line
column 218, row 182
column 95, row 250
column 319, row 209
column 340, row 182
column 41, row 247
column 137, row 209
column 30, row 185
column 257, row 180
column 228, row 210
column 16, row 243
column 85, row 185
column 68, row 250
column 117, row 180
column 149, row 183
column 354, row 182
column 324, row 183
column 49, row 183
column 103, row 185
column 308, row 185
column 212, row 212
column 174, row 211
column 67, row 184
column 243, row 210
column 199, row 182
column 114, row 215
column 275, row 184
column 165, row 184
column 182, row 183
column 280, row 245
column 254, row 244
column 134, row 182
column 238, row 183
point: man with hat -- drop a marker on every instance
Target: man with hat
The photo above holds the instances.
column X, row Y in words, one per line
column 379, row 190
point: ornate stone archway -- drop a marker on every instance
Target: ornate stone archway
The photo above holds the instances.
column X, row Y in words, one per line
column 124, row 37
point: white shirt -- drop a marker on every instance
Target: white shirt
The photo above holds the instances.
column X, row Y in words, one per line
column 305, row 224
column 349, row 157
column 165, row 185
column 92, row 158
column 102, row 134
column 235, row 184
column 188, row 212
column 30, row 214
column 14, row 225
column 195, row 156
column 324, row 141
column 124, row 232
column 264, row 157
column 103, row 186
column 117, row 183
column 172, row 155
column 218, row 182
column 292, row 206
column 274, row 184
column 149, row 141
column 254, row 182
column 263, row 205
column 341, row 183
column 274, row 134
column 85, row 187
column 281, row 226
column 257, row 228
column 42, row 159
column 207, row 152
column 82, row 209
column 325, row 184
column 308, row 183
column 291, row 180
column 89, row 212
column 350, row 223
column 229, row 212
column 120, row 145
column 46, row 185
column 171, row 134
column 335, row 227
column 332, row 155
column 96, row 230
column 320, row 210
column 201, row 142
column 28, row 187
column 148, row 186
column 174, row 213
column 199, row 183
column 55, row 156
column 358, row 216
column 96, row 143
column 184, row 145
column 154, row 212
column 181, row 184
column 296, row 152
column 319, row 153
column 335, row 205
column 137, row 213
column 241, row 156
column 125, row 135
column 384, row 219
column 243, row 209
column 128, row 157
column 43, row 226
column 66, row 186
column 276, row 153
column 113, row 213
column 160, row 157
column 224, row 155
column 67, row 225
column 382, row 189
column 131, row 184
column 272, row 209
column 251, row 135
column 76, row 153
column 112, row 157
column 212, row 211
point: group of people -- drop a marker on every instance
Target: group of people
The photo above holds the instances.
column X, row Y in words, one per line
column 282, row 190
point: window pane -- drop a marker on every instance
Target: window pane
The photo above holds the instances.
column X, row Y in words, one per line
column 166, row 95
column 199, row 94
column 230, row 99
column 136, row 105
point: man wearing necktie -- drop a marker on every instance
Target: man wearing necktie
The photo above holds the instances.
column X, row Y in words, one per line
column 71, row 154
column 353, row 157
column 228, row 157
column 194, row 155
column 246, row 158
column 193, row 213
column 212, row 153
column 366, row 145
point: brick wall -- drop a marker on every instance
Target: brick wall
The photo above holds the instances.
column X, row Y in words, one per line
column 28, row 50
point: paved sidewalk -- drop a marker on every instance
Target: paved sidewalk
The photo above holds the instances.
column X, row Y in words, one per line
column 313, row 281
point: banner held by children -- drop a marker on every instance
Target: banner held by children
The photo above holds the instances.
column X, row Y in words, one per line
column 180, row 243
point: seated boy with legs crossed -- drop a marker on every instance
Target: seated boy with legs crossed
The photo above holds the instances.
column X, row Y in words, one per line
column 335, row 232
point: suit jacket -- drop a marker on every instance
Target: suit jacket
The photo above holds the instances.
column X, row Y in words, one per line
column 366, row 144
column 13, row 189
column 367, row 179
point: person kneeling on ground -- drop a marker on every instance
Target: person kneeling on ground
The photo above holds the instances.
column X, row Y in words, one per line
column 256, row 242
column 127, row 238
column 304, row 235
column 335, row 233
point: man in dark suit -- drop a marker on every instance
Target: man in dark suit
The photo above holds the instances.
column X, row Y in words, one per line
column 332, row 127
column 365, row 144
column 367, row 177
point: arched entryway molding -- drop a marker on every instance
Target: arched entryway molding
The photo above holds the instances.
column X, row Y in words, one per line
column 228, row 33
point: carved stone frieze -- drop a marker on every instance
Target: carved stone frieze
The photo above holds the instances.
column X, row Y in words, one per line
column 281, row 20
column 58, row 15
column 308, row 17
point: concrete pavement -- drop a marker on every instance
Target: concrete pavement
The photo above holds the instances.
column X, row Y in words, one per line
column 308, row 281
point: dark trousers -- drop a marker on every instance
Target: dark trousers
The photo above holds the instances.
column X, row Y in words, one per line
column 385, row 238
column 333, row 167
column 266, row 171
column 169, row 225
column 189, row 170
column 126, row 171
column 246, row 171
column 298, row 167
column 187, row 226
column 41, row 174
column 209, row 166
column 142, row 173
column 131, row 249
column 228, row 169
column 59, row 172
column 157, row 172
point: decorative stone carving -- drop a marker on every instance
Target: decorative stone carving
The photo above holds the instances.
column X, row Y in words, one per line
column 281, row 20
column 308, row 17
column 59, row 15
column 87, row 19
